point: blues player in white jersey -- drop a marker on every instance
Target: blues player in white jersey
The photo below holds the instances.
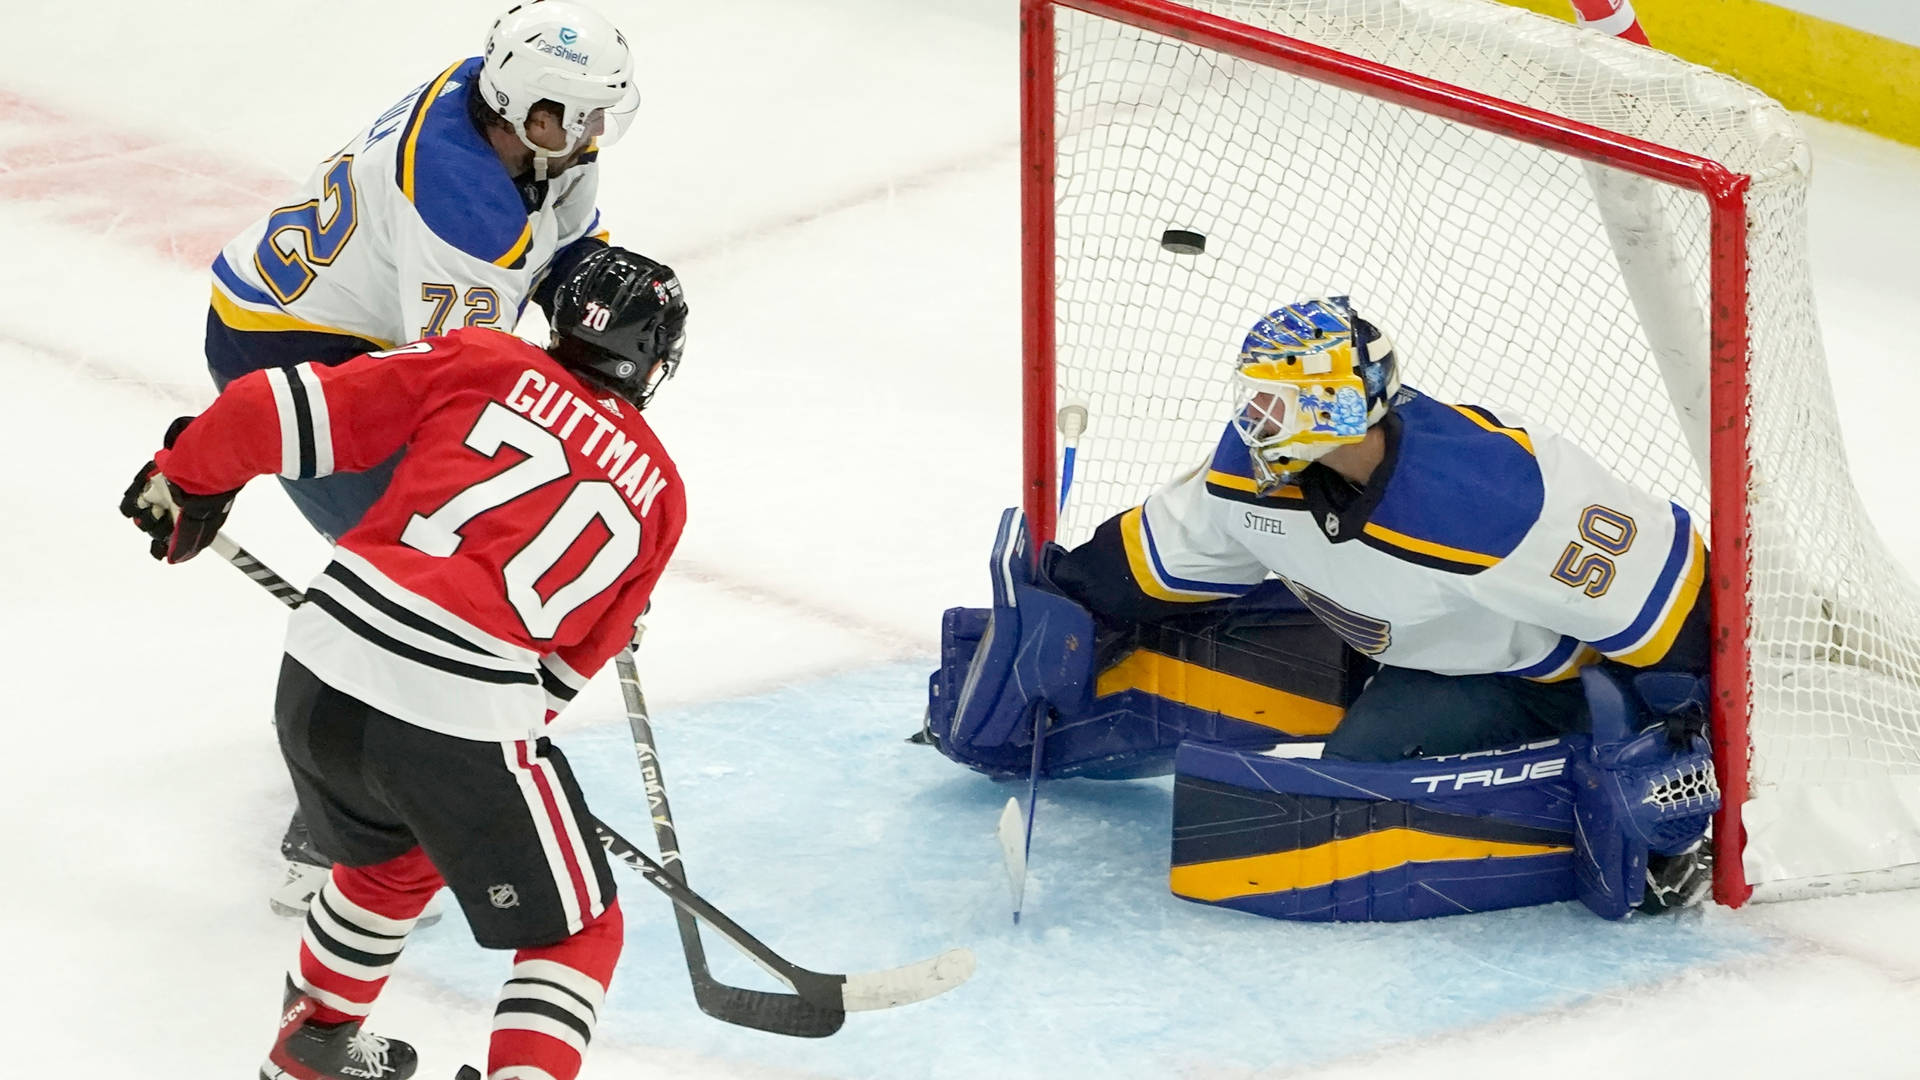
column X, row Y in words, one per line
column 467, row 198
column 1481, row 563
column 1513, row 712
column 449, row 210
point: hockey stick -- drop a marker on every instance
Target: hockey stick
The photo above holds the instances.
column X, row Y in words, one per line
column 1015, row 827
column 831, row 993
column 785, row 1014
column 1072, row 422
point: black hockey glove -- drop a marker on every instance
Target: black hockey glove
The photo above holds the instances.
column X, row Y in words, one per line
column 180, row 523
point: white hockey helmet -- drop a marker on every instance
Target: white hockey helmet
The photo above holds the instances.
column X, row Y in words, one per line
column 567, row 53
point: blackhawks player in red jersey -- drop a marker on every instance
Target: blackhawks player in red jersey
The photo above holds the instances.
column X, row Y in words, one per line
column 507, row 561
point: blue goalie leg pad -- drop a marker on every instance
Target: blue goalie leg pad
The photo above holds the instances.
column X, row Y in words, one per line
column 1301, row 838
column 1251, row 672
column 1032, row 650
column 1645, row 786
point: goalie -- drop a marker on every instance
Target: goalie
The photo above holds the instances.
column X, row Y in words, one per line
column 1502, row 644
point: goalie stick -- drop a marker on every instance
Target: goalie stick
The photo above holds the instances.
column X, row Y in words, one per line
column 1015, row 828
column 827, row 997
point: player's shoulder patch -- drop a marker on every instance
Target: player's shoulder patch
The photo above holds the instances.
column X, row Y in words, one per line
column 1466, row 489
column 1230, row 476
column 454, row 180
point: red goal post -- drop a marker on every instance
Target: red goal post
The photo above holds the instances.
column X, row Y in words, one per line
column 1093, row 270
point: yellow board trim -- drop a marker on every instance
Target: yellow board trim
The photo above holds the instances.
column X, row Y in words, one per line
column 1688, row 594
column 1337, row 860
column 1809, row 64
column 1515, row 434
column 248, row 319
column 407, row 148
column 1216, row 691
column 1428, row 547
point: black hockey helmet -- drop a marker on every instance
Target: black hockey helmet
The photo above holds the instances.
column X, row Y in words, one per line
column 620, row 320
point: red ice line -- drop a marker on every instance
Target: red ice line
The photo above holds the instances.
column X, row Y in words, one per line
column 172, row 199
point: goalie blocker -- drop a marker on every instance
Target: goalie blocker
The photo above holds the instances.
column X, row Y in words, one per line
column 1212, row 694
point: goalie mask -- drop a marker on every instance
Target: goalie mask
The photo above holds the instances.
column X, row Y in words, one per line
column 620, row 320
column 1311, row 377
column 563, row 52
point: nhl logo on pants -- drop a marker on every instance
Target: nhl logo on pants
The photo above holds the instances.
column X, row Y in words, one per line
column 503, row 896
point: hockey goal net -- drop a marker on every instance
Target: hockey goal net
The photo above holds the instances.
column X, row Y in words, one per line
column 1592, row 234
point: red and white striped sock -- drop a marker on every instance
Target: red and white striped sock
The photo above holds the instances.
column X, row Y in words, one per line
column 356, row 926
column 549, row 1005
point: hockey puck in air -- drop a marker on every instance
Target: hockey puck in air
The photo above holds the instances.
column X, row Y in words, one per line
column 1183, row 241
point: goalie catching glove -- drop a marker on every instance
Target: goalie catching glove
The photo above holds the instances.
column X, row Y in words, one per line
column 180, row 522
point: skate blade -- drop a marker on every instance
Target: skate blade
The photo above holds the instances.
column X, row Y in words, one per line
column 289, row 910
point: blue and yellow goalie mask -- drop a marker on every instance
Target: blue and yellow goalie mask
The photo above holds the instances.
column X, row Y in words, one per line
column 1311, row 377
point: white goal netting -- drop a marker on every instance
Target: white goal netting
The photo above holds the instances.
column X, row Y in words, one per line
column 1573, row 295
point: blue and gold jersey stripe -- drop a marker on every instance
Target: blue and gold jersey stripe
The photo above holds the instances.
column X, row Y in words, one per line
column 1646, row 640
column 1242, row 489
column 1426, row 553
column 241, row 306
column 236, row 317
column 518, row 251
column 1143, row 558
column 1492, row 423
column 1561, row 663
column 410, row 142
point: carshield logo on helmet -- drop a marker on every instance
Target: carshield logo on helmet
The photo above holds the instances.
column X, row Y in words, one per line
column 561, row 50
column 568, row 35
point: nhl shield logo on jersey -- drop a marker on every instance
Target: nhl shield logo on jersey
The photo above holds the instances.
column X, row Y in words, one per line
column 503, row 896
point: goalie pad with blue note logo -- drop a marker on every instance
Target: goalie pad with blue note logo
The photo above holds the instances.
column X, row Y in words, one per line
column 1254, row 671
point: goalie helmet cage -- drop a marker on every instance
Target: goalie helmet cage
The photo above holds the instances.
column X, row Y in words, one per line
column 1599, row 236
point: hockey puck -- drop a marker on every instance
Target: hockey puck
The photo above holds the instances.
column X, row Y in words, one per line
column 1183, row 241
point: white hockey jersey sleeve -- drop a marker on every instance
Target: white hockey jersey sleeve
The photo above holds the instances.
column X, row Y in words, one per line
column 574, row 211
column 1178, row 550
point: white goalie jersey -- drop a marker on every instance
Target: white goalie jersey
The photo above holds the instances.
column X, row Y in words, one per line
column 1477, row 547
column 412, row 229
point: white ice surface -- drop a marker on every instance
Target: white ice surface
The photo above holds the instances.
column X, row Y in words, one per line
column 836, row 182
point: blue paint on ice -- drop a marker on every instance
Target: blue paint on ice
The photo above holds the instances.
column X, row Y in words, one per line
column 807, row 817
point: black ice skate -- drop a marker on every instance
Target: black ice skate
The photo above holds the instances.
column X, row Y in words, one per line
column 1679, row 881
column 305, row 1050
